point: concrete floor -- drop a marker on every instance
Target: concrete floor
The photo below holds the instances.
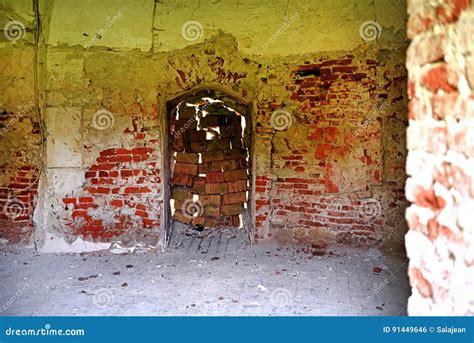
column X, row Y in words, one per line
column 218, row 274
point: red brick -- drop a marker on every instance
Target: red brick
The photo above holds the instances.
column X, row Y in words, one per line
column 121, row 151
column 183, row 157
column 99, row 190
column 234, row 175
column 123, row 158
column 331, row 134
column 69, row 200
column 437, row 79
column 210, row 199
column 116, row 203
column 126, row 173
column 142, row 150
column 148, row 222
column 90, row 174
column 216, row 188
column 210, row 156
column 229, row 210
column 322, row 151
column 141, row 213
column 199, row 185
column 203, row 168
column 132, row 190
column 182, row 180
column 234, row 198
column 238, row 186
column 186, row 168
column 215, row 177
column 316, row 134
column 106, row 166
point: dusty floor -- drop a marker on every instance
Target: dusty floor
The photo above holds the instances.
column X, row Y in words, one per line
column 214, row 275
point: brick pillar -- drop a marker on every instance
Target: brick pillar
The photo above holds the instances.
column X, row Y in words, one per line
column 440, row 162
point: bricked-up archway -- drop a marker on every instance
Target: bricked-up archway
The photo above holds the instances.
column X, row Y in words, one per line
column 208, row 161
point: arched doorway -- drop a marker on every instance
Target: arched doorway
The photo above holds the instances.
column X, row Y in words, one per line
column 208, row 162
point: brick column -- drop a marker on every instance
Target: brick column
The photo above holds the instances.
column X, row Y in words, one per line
column 440, row 162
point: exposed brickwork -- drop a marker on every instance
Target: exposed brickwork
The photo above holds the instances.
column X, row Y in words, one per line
column 344, row 149
column 330, row 161
column 209, row 173
column 19, row 169
column 17, row 203
column 121, row 194
column 440, row 161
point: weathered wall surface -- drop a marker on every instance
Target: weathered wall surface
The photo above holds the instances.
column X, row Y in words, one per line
column 335, row 173
column 19, row 124
column 440, row 160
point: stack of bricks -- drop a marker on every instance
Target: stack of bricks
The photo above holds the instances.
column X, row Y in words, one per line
column 209, row 178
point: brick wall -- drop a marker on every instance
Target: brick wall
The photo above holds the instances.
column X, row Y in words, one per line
column 440, row 160
column 336, row 172
column 330, row 173
column 121, row 197
column 17, row 203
